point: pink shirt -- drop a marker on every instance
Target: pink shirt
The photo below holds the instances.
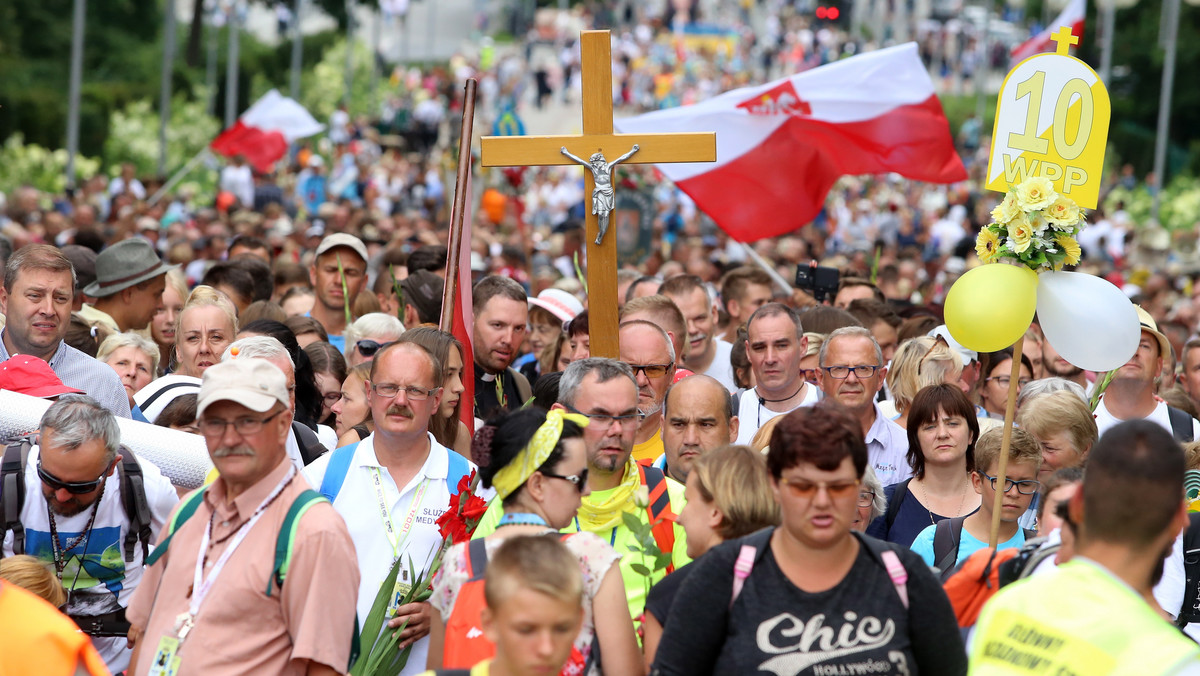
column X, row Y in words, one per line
column 239, row 629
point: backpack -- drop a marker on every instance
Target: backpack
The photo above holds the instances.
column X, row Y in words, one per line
column 883, row 552
column 659, row 510
column 339, row 465
column 1189, row 611
column 893, row 503
column 464, row 645
column 311, row 447
column 946, row 536
column 132, row 486
column 1181, row 424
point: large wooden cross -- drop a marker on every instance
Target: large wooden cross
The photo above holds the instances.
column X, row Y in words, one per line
column 598, row 137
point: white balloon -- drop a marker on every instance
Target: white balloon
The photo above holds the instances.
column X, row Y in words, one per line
column 1087, row 320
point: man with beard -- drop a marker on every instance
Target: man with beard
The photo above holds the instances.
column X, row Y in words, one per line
column 698, row 417
column 1096, row 613
column 774, row 347
column 338, row 273
column 80, row 525
column 1130, row 395
column 501, row 317
column 706, row 353
column 647, row 349
column 392, row 486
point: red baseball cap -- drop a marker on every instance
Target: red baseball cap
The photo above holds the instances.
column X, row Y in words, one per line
column 24, row 374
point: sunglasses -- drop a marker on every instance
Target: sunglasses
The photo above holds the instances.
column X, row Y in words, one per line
column 368, row 348
column 808, row 489
column 72, row 487
column 578, row 480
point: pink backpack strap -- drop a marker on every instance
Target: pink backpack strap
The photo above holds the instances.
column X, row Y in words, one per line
column 741, row 571
column 896, row 571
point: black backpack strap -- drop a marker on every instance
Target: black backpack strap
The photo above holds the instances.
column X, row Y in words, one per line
column 12, row 491
column 477, row 557
column 311, row 447
column 1190, row 610
column 894, row 502
column 1181, row 425
column 946, row 536
column 137, row 507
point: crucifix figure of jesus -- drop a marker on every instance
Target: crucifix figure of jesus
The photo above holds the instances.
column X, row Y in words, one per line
column 602, row 195
column 597, row 142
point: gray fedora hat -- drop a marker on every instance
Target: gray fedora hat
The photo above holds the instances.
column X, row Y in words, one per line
column 123, row 265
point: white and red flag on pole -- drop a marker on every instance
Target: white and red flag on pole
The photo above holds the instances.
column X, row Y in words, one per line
column 263, row 133
column 464, row 313
column 1071, row 16
column 782, row 145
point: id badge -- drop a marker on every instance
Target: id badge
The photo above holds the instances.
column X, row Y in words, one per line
column 399, row 591
column 166, row 658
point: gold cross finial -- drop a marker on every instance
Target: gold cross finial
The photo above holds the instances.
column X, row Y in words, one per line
column 1064, row 38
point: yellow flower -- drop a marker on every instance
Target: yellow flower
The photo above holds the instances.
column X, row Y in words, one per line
column 1006, row 210
column 1064, row 212
column 987, row 247
column 1035, row 192
column 1020, row 234
column 1070, row 247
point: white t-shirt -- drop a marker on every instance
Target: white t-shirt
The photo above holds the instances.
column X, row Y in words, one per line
column 752, row 415
column 721, row 368
column 1105, row 419
column 358, row 503
column 96, row 573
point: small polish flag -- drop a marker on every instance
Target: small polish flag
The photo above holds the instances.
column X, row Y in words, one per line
column 263, row 133
column 781, row 146
column 463, row 319
column 1071, row 16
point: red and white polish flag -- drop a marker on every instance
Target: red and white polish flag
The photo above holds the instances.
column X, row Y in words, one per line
column 781, row 146
column 1072, row 16
column 263, row 133
column 463, row 318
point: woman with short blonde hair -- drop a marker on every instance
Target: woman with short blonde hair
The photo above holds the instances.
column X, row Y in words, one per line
column 207, row 325
column 920, row 362
column 1064, row 426
column 134, row 357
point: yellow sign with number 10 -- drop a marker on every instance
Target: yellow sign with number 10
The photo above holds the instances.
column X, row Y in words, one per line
column 1051, row 120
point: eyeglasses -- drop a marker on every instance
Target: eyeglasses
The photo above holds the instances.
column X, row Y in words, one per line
column 803, row 488
column 603, row 421
column 411, row 392
column 368, row 348
column 651, row 370
column 1005, row 380
column 809, row 375
column 215, row 427
column 579, row 480
column 866, row 498
column 72, row 487
column 842, row 372
column 1026, row 487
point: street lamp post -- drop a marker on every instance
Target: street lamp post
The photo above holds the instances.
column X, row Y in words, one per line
column 75, row 86
column 1168, row 38
column 231, row 67
column 297, row 48
column 164, row 102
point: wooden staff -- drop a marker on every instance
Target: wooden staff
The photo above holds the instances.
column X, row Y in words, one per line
column 1009, row 412
column 458, row 213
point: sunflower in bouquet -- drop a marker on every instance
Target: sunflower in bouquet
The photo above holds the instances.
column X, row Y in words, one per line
column 1033, row 225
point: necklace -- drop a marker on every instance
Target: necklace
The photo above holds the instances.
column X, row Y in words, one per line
column 762, row 401
column 521, row 519
column 60, row 555
column 926, row 502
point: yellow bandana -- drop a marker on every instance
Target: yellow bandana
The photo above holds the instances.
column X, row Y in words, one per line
column 600, row 516
column 514, row 475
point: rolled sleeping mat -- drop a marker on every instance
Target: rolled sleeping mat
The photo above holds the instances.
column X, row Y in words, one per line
column 181, row 457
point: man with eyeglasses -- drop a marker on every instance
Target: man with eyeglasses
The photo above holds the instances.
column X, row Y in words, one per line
column 851, row 373
column 952, row 540
column 80, row 525
column 647, row 349
column 393, row 485
column 213, row 601
column 775, row 346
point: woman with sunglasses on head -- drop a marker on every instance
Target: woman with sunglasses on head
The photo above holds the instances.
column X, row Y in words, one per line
column 537, row 463
column 446, row 426
column 369, row 334
column 812, row 595
column 919, row 362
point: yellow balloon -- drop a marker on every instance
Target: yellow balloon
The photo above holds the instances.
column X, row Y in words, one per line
column 990, row 307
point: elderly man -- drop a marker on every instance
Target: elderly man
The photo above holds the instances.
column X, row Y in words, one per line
column 775, row 346
column 217, row 599
column 501, row 314
column 393, row 485
column 851, row 372
column 130, row 280
column 697, row 418
column 707, row 353
column 68, row 506
column 339, row 257
column 39, row 286
column 648, row 351
column 1130, row 395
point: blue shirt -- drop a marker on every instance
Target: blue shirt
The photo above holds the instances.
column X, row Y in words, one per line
column 76, row 369
column 967, row 544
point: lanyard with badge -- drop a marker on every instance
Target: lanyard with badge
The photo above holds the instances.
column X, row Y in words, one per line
column 166, row 658
column 403, row 581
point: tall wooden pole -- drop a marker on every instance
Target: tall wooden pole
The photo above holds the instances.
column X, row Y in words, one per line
column 1006, row 440
column 457, row 215
column 595, row 47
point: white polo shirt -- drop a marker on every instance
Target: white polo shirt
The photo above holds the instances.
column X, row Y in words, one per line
column 358, row 503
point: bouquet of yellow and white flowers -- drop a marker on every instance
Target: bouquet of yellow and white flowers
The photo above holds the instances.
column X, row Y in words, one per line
column 1033, row 225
